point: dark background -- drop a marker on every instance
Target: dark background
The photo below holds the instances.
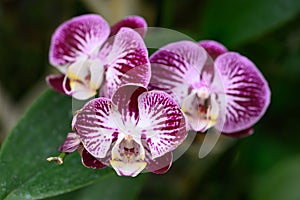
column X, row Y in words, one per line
column 265, row 165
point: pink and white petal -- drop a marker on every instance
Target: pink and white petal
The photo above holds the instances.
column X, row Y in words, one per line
column 240, row 134
column 213, row 48
column 126, row 62
column 247, row 91
column 128, row 169
column 176, row 66
column 71, row 143
column 90, row 161
column 56, row 82
column 161, row 164
column 134, row 22
column 82, row 35
column 126, row 101
column 96, row 73
column 79, row 70
column 81, row 91
column 86, row 77
column 161, row 122
column 96, row 124
column 115, row 79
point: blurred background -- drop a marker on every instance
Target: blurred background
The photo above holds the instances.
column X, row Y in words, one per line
column 265, row 165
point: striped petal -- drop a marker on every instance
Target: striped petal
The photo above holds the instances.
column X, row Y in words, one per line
column 214, row 49
column 128, row 169
column 90, row 161
column 247, row 91
column 77, row 37
column 126, row 61
column 126, row 101
column 176, row 66
column 97, row 125
column 134, row 22
column 161, row 122
column 71, row 143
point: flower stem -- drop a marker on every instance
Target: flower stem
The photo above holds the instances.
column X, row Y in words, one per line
column 59, row 159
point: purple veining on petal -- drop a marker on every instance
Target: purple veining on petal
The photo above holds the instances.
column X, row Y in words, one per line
column 126, row 62
column 71, row 143
column 161, row 122
column 161, row 164
column 78, row 36
column 213, row 48
column 247, row 92
column 135, row 22
column 96, row 125
column 126, row 100
column 90, row 161
column 56, row 82
column 168, row 70
column 207, row 74
column 177, row 66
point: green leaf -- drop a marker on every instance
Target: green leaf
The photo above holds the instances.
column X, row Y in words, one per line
column 24, row 171
column 112, row 187
column 280, row 182
column 236, row 21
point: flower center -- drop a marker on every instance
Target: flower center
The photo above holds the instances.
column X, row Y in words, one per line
column 128, row 156
column 201, row 109
column 202, row 92
column 85, row 76
column 129, row 149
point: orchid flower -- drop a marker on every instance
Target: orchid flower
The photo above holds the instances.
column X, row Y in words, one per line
column 219, row 91
column 135, row 130
column 92, row 57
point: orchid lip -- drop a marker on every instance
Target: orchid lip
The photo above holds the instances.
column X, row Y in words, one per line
column 130, row 169
column 201, row 109
column 86, row 76
column 128, row 149
column 81, row 71
column 128, row 156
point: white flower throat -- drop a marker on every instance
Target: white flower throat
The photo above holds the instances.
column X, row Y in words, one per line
column 86, row 76
column 201, row 108
column 128, row 156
